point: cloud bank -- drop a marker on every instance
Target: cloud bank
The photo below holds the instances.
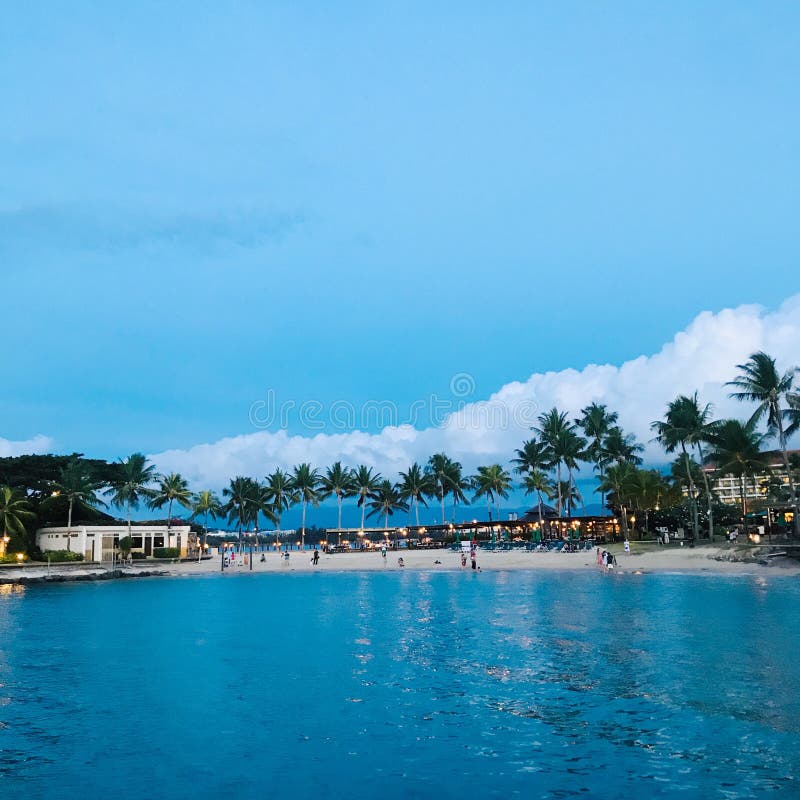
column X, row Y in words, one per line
column 36, row 445
column 702, row 357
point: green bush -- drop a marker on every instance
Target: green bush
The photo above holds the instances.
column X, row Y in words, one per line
column 166, row 552
column 59, row 556
column 137, row 556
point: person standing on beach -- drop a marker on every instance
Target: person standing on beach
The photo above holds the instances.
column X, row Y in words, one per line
column 316, row 557
column 473, row 555
column 599, row 558
column 627, row 548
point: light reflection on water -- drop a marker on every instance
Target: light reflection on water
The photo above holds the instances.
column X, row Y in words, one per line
column 402, row 685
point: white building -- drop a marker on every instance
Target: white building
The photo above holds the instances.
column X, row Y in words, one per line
column 98, row 542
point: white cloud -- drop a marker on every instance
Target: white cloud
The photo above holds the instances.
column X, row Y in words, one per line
column 701, row 357
column 36, row 445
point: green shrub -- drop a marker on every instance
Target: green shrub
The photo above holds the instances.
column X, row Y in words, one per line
column 125, row 544
column 136, row 556
column 166, row 552
column 59, row 556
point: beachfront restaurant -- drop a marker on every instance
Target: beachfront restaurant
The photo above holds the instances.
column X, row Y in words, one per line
column 100, row 542
column 527, row 528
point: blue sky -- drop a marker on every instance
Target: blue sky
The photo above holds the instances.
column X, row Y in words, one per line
column 201, row 202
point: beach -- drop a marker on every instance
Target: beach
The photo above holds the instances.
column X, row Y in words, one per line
column 642, row 559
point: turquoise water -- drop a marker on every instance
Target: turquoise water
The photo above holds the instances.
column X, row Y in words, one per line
column 411, row 685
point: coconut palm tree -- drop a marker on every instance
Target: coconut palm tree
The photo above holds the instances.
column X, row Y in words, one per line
column 439, row 469
column 647, row 488
column 132, row 484
column 415, row 485
column 676, row 431
column 172, row 488
column 280, row 495
column 536, row 480
column 554, row 427
column 571, row 448
column 533, row 455
column 305, row 484
column 619, row 484
column 366, row 485
column 207, row 505
column 596, row 421
column 699, row 427
column 618, row 447
column 492, row 482
column 79, row 487
column 458, row 484
column 735, row 449
column 386, row 500
column 339, row 481
column 242, row 495
column 760, row 382
column 15, row 511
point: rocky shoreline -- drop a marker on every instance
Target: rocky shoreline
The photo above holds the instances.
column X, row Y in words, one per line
column 65, row 577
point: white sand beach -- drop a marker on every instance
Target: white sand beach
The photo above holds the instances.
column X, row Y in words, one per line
column 642, row 559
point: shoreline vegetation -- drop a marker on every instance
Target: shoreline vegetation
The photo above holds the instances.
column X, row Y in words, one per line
column 38, row 491
column 643, row 559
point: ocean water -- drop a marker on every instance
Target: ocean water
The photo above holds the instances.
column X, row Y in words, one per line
column 402, row 685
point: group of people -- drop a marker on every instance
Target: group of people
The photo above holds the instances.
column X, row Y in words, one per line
column 473, row 557
column 606, row 559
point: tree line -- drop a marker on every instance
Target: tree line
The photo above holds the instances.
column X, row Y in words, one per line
column 546, row 465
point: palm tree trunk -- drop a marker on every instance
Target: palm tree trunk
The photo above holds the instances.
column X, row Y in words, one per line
column 692, row 493
column 558, row 483
column 416, row 508
column 442, row 499
column 708, row 495
column 489, row 506
column 792, row 486
column 169, row 522
column 624, row 521
column 363, row 509
column 339, row 501
column 69, row 524
column 743, row 484
column 303, row 529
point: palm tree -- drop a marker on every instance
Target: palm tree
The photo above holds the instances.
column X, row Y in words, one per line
column 439, row 469
column 241, row 493
column 536, row 480
column 553, row 429
column 458, row 484
column 677, row 430
column 492, row 482
column 571, row 448
column 619, row 447
column 132, row 484
column 339, row 481
column 15, row 511
column 77, row 484
column 280, row 495
column 533, row 455
column 619, row 484
column 414, row 486
column 646, row 490
column 595, row 421
column 386, row 500
column 305, row 484
column 207, row 505
column 366, row 484
column 736, row 450
column 172, row 488
column 760, row 382
column 699, row 428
